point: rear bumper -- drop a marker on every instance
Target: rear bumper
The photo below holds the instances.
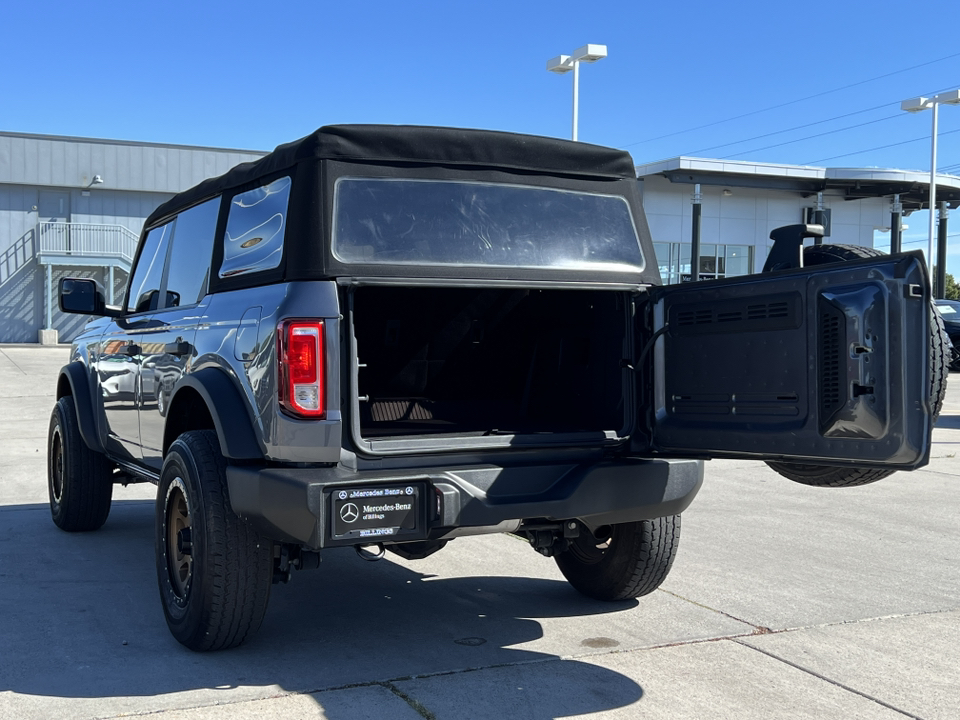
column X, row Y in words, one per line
column 294, row 505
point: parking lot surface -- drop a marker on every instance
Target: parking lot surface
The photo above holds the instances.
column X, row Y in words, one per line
column 785, row 601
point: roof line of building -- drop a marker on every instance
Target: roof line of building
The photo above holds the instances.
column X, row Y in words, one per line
column 854, row 183
column 106, row 141
column 763, row 169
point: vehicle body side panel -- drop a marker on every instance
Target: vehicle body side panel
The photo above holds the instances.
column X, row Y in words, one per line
column 223, row 330
column 119, row 386
column 160, row 371
column 227, row 408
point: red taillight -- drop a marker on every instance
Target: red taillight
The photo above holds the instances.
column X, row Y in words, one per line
column 300, row 356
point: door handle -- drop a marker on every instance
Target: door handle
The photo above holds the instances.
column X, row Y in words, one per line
column 131, row 349
column 178, row 348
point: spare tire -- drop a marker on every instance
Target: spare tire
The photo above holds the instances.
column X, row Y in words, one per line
column 831, row 476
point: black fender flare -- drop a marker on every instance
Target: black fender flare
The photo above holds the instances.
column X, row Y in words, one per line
column 76, row 375
column 228, row 409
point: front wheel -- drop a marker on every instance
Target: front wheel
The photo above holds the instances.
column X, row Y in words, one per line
column 214, row 570
column 621, row 561
column 78, row 478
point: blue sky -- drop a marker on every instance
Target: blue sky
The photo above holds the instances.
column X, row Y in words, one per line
column 694, row 78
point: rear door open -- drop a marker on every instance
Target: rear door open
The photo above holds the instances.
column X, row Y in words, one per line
column 826, row 365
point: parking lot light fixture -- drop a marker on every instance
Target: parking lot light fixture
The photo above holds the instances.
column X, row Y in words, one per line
column 919, row 104
column 565, row 63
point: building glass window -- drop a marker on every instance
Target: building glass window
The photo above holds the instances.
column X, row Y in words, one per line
column 738, row 260
column 716, row 261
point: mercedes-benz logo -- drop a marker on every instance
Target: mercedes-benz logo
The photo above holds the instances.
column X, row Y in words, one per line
column 349, row 513
column 342, row 495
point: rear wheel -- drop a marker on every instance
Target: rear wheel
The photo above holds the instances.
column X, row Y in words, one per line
column 828, row 476
column 78, row 478
column 214, row 570
column 621, row 561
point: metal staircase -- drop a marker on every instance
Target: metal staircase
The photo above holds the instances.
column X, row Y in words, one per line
column 70, row 244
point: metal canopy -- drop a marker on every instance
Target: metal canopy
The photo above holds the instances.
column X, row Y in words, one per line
column 913, row 187
column 800, row 185
column 849, row 183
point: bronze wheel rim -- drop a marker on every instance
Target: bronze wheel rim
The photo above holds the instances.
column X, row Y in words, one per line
column 179, row 558
column 56, row 466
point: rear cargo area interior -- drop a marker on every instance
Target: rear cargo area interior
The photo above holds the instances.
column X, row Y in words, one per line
column 488, row 361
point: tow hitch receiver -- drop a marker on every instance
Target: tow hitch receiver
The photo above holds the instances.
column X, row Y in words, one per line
column 550, row 538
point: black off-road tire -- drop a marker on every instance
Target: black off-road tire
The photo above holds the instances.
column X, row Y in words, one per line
column 828, row 476
column 940, row 359
column 214, row 579
column 828, row 254
column 78, row 478
column 633, row 562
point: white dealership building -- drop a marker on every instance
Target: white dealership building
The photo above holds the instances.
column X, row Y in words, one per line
column 741, row 202
column 75, row 206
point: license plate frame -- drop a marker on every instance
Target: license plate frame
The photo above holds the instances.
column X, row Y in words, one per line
column 377, row 513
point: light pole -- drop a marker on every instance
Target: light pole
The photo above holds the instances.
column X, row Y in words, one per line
column 566, row 63
column 917, row 105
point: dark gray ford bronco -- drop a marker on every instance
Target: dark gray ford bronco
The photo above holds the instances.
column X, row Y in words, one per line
column 389, row 337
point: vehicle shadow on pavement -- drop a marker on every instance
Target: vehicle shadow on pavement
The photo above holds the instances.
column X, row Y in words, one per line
column 951, row 422
column 81, row 616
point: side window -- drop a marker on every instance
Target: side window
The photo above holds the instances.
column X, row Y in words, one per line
column 145, row 281
column 191, row 254
column 255, row 229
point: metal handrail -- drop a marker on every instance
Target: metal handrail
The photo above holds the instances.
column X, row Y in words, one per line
column 86, row 240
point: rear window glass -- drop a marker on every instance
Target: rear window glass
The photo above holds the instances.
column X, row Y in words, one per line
column 255, row 229
column 437, row 222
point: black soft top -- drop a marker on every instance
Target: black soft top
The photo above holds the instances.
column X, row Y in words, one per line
column 406, row 144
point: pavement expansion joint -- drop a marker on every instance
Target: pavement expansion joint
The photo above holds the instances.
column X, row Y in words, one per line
column 12, row 361
column 763, row 630
column 420, row 676
column 660, row 646
column 417, row 706
column 824, row 678
column 878, row 618
column 938, row 473
column 852, row 621
column 757, row 629
column 387, row 684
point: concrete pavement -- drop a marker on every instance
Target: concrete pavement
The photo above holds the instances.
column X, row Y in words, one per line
column 785, row 601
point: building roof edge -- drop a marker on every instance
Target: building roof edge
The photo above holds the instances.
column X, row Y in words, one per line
column 134, row 143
